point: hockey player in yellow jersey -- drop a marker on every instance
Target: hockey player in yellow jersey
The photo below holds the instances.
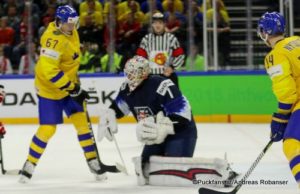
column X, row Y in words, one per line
column 283, row 66
column 58, row 90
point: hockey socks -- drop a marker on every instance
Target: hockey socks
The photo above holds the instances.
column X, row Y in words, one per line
column 291, row 148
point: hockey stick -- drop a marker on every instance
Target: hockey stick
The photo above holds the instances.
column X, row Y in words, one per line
column 235, row 190
column 104, row 168
column 1, row 157
column 3, row 171
column 112, row 135
column 118, row 149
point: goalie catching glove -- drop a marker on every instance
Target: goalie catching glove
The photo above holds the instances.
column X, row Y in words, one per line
column 154, row 130
column 107, row 124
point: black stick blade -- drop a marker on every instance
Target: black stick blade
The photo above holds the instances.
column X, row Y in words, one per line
column 210, row 191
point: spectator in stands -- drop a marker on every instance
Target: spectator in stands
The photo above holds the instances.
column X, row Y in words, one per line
column 13, row 18
column 90, row 31
column 178, row 5
column 85, row 6
column 46, row 21
column 7, row 37
column 18, row 5
column 28, row 61
column 89, row 61
column 129, row 33
column 44, row 4
column 133, row 9
column 174, row 21
column 105, row 61
column 124, row 7
column 194, row 61
column 197, row 24
column 6, row 33
column 5, row 65
column 130, row 28
column 172, row 24
column 24, row 27
column 171, row 9
column 154, row 4
column 92, row 11
column 223, row 28
column 49, row 14
column 20, row 48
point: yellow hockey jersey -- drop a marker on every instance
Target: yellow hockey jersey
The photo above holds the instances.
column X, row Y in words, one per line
column 56, row 69
column 283, row 66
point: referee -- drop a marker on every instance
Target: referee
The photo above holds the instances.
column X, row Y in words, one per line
column 162, row 49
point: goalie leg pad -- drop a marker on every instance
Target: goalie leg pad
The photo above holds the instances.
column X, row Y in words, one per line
column 182, row 171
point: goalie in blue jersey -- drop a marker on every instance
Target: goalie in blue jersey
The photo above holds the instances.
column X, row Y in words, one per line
column 165, row 125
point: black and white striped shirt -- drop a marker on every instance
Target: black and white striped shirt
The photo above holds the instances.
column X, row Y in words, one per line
column 162, row 51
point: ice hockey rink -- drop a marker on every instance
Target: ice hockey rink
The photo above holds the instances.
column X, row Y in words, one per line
column 62, row 168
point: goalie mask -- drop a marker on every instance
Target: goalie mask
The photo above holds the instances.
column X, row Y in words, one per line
column 136, row 70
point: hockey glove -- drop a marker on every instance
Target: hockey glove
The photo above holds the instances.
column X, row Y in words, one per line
column 2, row 93
column 107, row 124
column 278, row 125
column 78, row 94
column 2, row 130
column 154, row 131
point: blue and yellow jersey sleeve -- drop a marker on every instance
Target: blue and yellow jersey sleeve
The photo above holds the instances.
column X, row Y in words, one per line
column 56, row 70
column 283, row 84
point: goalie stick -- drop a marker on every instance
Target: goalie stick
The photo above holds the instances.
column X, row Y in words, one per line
column 104, row 168
column 119, row 151
column 113, row 136
column 237, row 188
column 3, row 171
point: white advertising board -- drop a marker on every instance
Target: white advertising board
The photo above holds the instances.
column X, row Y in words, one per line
column 21, row 99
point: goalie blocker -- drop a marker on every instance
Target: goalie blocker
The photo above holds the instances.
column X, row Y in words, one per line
column 183, row 171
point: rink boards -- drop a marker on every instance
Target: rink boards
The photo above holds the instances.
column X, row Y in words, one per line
column 243, row 96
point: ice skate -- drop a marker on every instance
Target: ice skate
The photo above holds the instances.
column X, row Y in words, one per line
column 26, row 172
column 95, row 168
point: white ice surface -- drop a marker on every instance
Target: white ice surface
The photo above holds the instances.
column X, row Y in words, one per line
column 63, row 170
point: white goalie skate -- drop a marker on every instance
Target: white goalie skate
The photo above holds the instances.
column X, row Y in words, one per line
column 95, row 168
column 26, row 172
